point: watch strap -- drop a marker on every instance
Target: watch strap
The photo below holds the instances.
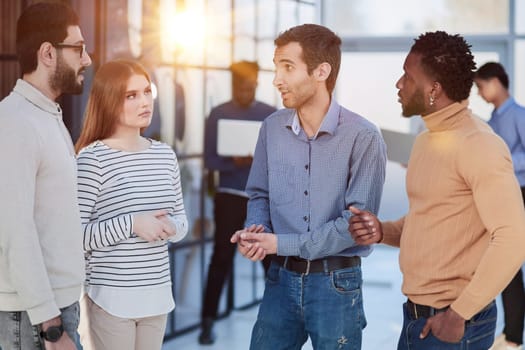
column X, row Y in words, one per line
column 52, row 333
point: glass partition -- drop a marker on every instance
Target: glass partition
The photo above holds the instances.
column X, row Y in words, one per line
column 408, row 17
column 366, row 85
column 519, row 17
column 519, row 72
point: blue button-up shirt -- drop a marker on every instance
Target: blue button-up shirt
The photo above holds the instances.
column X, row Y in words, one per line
column 300, row 188
column 508, row 121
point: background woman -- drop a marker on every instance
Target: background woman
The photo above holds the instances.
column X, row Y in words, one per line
column 131, row 205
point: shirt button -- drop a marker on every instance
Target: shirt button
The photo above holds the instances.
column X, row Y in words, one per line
column 306, row 166
column 305, row 218
column 306, row 193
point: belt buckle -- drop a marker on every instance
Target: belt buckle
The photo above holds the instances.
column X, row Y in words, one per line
column 413, row 309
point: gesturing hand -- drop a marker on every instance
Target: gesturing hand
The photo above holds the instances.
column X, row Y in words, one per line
column 249, row 242
column 364, row 227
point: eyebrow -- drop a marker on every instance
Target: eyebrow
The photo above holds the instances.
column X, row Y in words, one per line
column 78, row 42
column 137, row 90
column 285, row 60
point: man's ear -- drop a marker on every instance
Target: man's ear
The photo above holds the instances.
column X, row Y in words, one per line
column 437, row 90
column 323, row 71
column 46, row 54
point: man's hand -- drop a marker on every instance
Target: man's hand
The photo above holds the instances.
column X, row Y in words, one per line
column 447, row 326
column 364, row 227
column 64, row 343
column 253, row 244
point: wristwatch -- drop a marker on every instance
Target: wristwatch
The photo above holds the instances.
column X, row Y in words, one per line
column 52, row 333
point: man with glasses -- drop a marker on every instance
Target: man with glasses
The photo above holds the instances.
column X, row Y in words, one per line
column 41, row 259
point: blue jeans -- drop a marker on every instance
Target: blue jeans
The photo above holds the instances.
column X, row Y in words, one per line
column 326, row 306
column 16, row 331
column 479, row 333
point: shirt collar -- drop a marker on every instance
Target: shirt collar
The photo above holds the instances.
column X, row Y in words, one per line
column 328, row 125
column 506, row 105
column 33, row 95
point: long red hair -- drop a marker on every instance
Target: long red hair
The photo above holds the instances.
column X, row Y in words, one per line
column 106, row 100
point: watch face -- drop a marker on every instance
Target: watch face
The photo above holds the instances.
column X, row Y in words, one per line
column 53, row 333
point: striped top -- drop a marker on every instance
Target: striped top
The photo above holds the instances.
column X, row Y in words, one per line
column 122, row 268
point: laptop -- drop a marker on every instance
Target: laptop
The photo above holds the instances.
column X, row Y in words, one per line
column 398, row 145
column 236, row 137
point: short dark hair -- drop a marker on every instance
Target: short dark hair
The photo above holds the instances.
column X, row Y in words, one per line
column 493, row 70
column 39, row 23
column 243, row 70
column 448, row 59
column 319, row 45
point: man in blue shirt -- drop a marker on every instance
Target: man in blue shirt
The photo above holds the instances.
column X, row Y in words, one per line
column 508, row 121
column 312, row 161
column 230, row 198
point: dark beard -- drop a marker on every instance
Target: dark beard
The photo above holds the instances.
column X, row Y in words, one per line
column 414, row 106
column 64, row 79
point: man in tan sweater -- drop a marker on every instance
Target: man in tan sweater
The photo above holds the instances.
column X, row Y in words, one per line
column 462, row 240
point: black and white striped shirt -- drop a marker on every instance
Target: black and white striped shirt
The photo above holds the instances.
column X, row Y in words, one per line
column 122, row 268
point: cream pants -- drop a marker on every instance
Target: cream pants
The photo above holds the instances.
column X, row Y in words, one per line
column 101, row 331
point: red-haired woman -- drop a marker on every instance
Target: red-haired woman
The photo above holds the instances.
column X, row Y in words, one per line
column 131, row 206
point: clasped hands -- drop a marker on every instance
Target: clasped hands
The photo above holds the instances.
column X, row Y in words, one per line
column 253, row 243
column 153, row 226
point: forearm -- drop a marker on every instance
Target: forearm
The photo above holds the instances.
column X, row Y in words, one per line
column 259, row 214
column 504, row 221
column 106, row 233
column 392, row 232
column 503, row 257
column 21, row 250
column 29, row 277
column 478, row 292
column 330, row 239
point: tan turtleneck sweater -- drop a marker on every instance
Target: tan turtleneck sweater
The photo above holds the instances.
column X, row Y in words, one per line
column 463, row 238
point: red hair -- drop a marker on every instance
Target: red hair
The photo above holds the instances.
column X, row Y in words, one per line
column 106, row 100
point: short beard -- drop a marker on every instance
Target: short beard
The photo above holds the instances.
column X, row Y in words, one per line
column 64, row 79
column 414, row 106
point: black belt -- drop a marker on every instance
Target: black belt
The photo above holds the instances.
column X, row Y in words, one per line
column 416, row 310
column 300, row 265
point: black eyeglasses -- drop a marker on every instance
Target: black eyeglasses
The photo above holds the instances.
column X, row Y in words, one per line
column 80, row 47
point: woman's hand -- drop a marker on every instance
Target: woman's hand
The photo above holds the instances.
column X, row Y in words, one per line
column 153, row 226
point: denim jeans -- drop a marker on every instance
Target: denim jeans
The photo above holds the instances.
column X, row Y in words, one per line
column 16, row 331
column 326, row 306
column 479, row 333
